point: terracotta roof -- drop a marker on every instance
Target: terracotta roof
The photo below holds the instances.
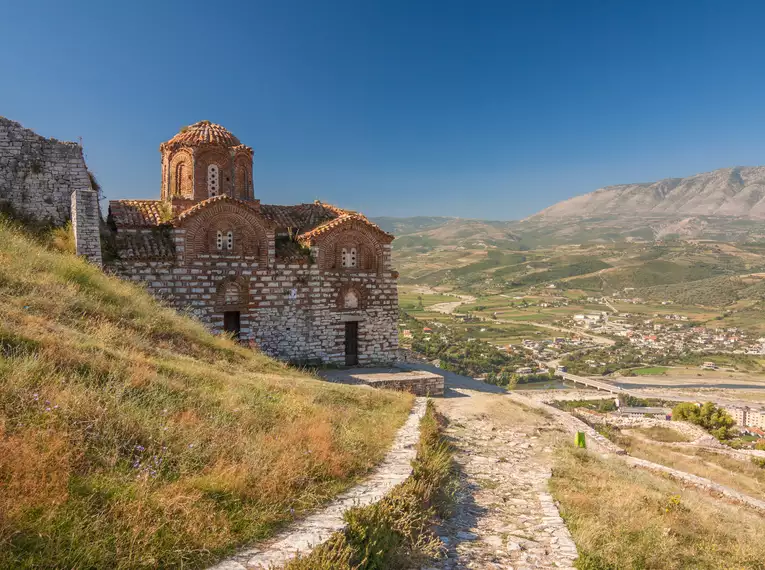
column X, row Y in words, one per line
column 252, row 205
column 145, row 245
column 348, row 217
column 138, row 213
column 203, row 133
column 301, row 217
column 307, row 220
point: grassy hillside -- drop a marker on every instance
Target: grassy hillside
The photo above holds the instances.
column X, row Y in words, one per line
column 130, row 437
column 621, row 517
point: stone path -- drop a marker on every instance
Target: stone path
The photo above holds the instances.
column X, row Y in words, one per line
column 317, row 528
column 505, row 518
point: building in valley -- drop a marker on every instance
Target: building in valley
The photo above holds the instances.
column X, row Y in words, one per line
column 309, row 282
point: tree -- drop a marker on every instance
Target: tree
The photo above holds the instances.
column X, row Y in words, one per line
column 715, row 420
column 686, row 412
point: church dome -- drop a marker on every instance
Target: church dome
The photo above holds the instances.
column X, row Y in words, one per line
column 203, row 133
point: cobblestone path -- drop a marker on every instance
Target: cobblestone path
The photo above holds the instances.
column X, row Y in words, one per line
column 505, row 517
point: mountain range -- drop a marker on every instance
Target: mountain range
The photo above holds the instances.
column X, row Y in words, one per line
column 737, row 191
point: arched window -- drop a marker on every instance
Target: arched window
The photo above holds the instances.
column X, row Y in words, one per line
column 344, row 258
column 229, row 240
column 351, row 300
column 180, row 172
column 352, row 258
column 219, row 240
column 231, row 294
column 213, row 180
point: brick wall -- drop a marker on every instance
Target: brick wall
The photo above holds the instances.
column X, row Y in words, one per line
column 290, row 310
column 38, row 175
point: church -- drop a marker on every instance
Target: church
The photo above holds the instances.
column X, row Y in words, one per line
column 304, row 283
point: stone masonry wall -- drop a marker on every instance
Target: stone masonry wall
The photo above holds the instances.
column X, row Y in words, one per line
column 38, row 175
column 291, row 311
column 86, row 218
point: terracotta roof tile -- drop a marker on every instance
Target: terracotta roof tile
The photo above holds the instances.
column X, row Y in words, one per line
column 310, row 237
column 156, row 244
column 301, row 217
column 203, row 133
column 252, row 205
column 138, row 213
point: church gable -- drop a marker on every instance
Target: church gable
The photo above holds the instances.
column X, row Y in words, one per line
column 349, row 243
column 226, row 227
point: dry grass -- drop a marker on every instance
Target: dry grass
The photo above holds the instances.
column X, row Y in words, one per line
column 742, row 475
column 130, row 437
column 396, row 532
column 622, row 517
column 663, row 434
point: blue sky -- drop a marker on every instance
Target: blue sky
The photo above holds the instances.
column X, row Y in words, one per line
column 471, row 108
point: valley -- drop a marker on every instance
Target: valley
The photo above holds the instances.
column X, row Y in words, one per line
column 690, row 310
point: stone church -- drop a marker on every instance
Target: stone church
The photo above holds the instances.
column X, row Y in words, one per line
column 309, row 282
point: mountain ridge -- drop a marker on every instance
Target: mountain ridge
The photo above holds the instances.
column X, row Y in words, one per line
column 737, row 191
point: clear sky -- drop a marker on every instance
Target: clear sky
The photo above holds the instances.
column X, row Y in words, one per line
column 463, row 108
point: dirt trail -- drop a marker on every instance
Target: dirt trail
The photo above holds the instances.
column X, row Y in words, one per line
column 505, row 517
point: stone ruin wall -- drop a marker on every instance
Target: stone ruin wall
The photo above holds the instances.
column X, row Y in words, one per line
column 47, row 181
column 38, row 175
column 304, row 327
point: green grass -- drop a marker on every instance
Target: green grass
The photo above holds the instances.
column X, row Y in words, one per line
column 131, row 437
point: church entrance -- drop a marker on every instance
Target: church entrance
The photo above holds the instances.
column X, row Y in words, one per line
column 232, row 323
column 351, row 343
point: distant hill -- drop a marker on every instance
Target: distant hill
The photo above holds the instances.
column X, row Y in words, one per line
column 403, row 226
column 737, row 191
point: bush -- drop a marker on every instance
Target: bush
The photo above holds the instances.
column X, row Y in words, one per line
column 715, row 420
column 759, row 462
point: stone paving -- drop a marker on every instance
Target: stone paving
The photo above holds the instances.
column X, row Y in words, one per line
column 505, row 518
column 317, row 528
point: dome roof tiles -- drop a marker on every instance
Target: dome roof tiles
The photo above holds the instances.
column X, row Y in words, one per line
column 203, row 133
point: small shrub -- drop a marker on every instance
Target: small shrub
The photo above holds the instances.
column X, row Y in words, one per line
column 759, row 462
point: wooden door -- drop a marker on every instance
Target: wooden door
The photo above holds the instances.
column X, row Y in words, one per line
column 351, row 343
column 232, row 323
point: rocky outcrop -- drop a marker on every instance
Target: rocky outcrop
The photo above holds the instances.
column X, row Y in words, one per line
column 737, row 191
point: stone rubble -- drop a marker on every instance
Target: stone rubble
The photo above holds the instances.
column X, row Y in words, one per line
column 318, row 527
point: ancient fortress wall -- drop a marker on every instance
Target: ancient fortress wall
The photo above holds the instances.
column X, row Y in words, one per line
column 38, row 175
column 46, row 180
